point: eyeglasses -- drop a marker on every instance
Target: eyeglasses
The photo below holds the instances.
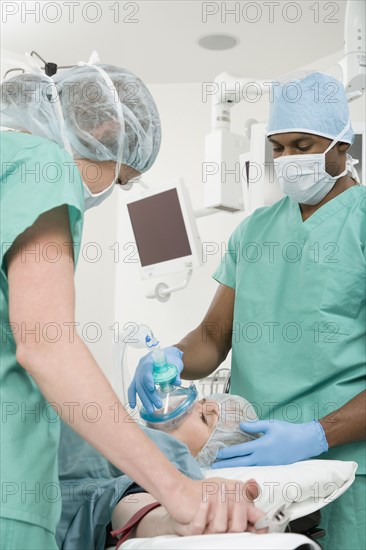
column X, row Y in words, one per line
column 49, row 68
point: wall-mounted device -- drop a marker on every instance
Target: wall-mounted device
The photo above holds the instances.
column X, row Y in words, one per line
column 166, row 235
column 165, row 230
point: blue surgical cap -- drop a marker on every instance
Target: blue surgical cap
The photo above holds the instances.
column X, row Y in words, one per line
column 316, row 104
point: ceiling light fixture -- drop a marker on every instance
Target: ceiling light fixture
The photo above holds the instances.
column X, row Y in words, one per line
column 218, row 42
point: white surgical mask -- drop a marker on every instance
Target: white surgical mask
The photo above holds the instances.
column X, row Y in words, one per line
column 94, row 199
column 304, row 177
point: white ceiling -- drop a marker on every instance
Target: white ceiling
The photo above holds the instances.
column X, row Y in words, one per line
column 159, row 43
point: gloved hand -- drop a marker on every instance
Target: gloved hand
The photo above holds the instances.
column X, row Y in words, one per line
column 143, row 382
column 281, row 443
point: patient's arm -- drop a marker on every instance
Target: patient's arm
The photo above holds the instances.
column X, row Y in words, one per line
column 153, row 524
column 158, row 522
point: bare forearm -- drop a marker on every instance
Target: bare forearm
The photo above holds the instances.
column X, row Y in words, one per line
column 153, row 524
column 159, row 522
column 202, row 353
column 69, row 377
column 347, row 424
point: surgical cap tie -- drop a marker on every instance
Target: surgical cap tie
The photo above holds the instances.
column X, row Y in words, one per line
column 55, row 101
column 94, row 58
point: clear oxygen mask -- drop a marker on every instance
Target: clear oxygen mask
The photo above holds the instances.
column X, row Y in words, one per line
column 177, row 401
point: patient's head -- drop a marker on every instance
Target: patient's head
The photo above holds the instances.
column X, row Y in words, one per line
column 213, row 424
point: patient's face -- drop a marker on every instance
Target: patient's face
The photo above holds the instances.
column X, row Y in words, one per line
column 197, row 427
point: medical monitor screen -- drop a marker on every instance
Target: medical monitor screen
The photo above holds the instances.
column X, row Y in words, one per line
column 159, row 228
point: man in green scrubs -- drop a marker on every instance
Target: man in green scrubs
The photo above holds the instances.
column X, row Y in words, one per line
column 291, row 305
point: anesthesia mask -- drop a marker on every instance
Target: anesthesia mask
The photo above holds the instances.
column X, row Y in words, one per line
column 177, row 401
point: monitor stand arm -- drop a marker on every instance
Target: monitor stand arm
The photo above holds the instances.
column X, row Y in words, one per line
column 162, row 291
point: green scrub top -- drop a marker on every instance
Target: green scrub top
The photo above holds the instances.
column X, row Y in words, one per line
column 298, row 343
column 36, row 176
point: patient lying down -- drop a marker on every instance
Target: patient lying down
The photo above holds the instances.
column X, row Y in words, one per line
column 212, row 424
column 97, row 497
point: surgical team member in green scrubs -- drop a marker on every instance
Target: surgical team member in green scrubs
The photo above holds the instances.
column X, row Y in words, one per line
column 291, row 305
column 72, row 144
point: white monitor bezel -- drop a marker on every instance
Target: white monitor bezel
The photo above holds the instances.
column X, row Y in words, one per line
column 183, row 263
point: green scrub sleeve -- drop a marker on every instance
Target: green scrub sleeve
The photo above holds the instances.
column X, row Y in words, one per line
column 225, row 272
column 36, row 177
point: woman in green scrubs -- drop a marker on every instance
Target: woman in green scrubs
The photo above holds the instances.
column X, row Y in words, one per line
column 291, row 305
column 72, row 143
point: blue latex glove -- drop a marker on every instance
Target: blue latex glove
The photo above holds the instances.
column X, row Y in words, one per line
column 143, row 382
column 281, row 443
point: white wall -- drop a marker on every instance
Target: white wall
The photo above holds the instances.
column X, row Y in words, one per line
column 107, row 294
column 10, row 60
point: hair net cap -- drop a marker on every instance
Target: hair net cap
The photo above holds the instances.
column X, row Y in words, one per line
column 316, row 104
column 233, row 409
column 116, row 121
